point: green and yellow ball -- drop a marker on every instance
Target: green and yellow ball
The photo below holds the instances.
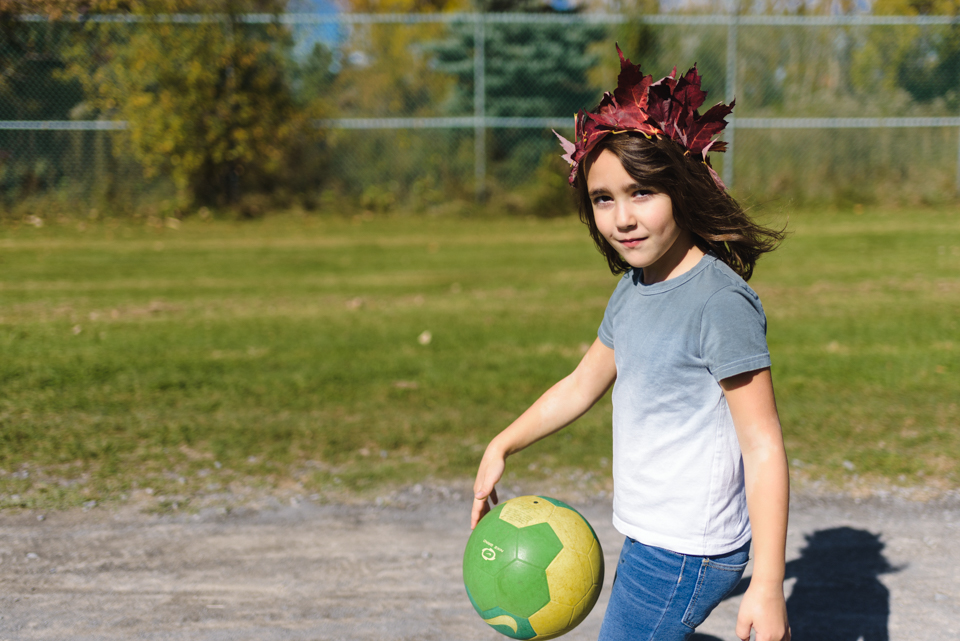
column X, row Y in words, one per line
column 533, row 568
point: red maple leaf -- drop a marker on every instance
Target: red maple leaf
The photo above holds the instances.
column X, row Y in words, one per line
column 631, row 92
column 706, row 127
column 687, row 98
column 688, row 92
column 660, row 107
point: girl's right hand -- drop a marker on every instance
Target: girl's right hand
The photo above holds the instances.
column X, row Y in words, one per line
column 559, row 406
column 484, row 488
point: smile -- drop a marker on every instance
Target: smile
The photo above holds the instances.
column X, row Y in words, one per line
column 630, row 243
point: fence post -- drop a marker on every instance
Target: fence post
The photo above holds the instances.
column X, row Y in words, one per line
column 233, row 185
column 479, row 106
column 731, row 90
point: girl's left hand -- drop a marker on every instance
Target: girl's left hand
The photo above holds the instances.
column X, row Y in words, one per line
column 754, row 411
column 763, row 609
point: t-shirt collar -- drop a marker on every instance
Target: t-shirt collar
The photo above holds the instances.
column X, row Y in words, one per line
column 672, row 283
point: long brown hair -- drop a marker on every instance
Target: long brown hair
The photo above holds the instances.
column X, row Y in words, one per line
column 716, row 221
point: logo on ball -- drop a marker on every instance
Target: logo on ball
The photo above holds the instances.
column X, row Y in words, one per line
column 488, row 554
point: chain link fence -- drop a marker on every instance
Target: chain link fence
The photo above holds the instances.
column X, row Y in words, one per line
column 416, row 110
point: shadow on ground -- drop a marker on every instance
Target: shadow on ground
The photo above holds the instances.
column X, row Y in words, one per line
column 838, row 595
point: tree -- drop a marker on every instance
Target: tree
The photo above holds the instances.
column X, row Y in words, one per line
column 385, row 72
column 206, row 103
column 927, row 62
column 923, row 61
column 314, row 76
column 30, row 89
column 384, row 69
column 530, row 70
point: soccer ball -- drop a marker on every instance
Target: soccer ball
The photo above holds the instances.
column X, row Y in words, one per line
column 533, row 568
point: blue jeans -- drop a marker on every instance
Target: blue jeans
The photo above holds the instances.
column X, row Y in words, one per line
column 659, row 595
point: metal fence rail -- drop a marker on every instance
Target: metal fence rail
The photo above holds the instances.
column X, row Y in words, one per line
column 481, row 121
column 512, row 18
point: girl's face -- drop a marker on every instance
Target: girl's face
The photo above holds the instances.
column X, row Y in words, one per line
column 637, row 222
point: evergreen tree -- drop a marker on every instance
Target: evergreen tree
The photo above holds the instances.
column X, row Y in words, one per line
column 31, row 89
column 530, row 70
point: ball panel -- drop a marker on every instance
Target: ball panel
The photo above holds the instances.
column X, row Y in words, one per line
column 508, row 624
column 482, row 590
column 582, row 609
column 568, row 577
column 580, row 612
column 523, row 588
column 473, row 602
column 556, row 502
column 538, row 545
column 572, row 530
column 551, row 619
column 524, row 511
column 595, row 558
column 559, row 503
column 491, row 547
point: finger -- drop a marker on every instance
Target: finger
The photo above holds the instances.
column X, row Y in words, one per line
column 475, row 514
column 743, row 630
column 483, row 487
column 486, row 488
column 480, row 508
column 478, row 492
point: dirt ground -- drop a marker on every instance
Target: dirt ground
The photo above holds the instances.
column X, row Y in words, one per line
column 871, row 569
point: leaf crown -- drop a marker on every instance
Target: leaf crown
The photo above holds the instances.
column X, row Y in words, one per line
column 667, row 107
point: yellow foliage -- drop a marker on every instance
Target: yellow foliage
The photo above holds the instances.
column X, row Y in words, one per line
column 916, row 7
column 203, row 102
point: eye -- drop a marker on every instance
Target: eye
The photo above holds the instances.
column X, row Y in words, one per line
column 601, row 199
column 641, row 193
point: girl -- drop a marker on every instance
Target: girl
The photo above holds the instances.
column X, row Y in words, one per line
column 699, row 465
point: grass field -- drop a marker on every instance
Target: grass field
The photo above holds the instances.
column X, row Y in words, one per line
column 290, row 352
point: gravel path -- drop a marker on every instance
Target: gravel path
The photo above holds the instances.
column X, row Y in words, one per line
column 875, row 569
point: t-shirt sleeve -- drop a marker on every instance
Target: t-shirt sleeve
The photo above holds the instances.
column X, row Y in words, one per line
column 733, row 333
column 605, row 332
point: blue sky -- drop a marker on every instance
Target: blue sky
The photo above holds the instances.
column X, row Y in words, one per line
column 306, row 35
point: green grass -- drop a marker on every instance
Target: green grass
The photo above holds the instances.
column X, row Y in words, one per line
column 284, row 353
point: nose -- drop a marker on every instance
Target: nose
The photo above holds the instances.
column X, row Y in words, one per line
column 623, row 217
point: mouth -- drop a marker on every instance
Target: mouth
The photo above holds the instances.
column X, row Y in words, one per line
column 630, row 243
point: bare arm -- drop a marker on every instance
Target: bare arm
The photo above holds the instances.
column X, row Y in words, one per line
column 559, row 406
column 754, row 411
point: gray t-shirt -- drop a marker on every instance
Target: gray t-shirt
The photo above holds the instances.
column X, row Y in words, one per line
column 677, row 466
